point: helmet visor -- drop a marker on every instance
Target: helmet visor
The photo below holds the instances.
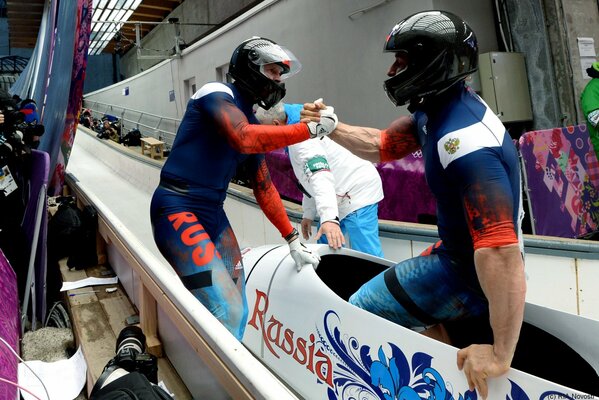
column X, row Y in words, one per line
column 264, row 53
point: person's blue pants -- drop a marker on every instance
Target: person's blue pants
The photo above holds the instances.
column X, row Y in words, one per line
column 197, row 240
column 362, row 227
column 421, row 291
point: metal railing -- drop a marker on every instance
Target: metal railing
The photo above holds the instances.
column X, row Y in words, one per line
column 150, row 125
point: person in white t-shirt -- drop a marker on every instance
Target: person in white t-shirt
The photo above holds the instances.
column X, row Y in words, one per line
column 339, row 187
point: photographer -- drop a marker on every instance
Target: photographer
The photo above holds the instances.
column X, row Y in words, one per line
column 96, row 125
column 86, row 119
column 31, row 126
column 16, row 139
column 132, row 373
column 20, row 131
column 109, row 131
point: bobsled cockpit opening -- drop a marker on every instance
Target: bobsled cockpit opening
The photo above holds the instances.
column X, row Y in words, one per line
column 344, row 274
column 538, row 352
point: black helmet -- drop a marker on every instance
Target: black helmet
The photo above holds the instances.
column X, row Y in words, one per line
column 247, row 69
column 441, row 50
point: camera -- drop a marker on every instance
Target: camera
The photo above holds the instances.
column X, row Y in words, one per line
column 17, row 136
column 131, row 356
column 11, row 139
column 132, row 373
column 12, row 116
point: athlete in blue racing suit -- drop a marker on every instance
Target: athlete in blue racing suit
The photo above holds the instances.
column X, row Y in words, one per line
column 472, row 168
column 218, row 135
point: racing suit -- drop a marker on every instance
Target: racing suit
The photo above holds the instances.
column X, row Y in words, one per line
column 472, row 168
column 218, row 135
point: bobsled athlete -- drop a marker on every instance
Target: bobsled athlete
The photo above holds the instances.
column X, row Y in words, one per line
column 476, row 270
column 219, row 135
column 338, row 186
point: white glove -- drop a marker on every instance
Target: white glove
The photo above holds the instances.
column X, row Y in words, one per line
column 328, row 110
column 300, row 253
column 328, row 122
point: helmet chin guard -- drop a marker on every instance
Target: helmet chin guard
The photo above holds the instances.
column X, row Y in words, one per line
column 247, row 69
column 441, row 50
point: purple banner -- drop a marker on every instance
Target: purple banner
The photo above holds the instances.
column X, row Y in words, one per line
column 9, row 328
column 407, row 195
column 562, row 177
column 38, row 180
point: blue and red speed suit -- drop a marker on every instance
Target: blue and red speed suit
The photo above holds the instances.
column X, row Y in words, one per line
column 218, row 134
column 472, row 168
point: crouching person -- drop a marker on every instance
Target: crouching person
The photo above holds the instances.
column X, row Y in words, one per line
column 132, row 373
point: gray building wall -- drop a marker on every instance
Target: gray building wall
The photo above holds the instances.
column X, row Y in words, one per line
column 22, row 52
column 102, row 70
column 547, row 31
column 343, row 62
column 161, row 40
column 527, row 24
column 342, row 57
column 5, row 49
column 581, row 19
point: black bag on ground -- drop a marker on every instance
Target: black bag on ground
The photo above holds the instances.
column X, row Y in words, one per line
column 84, row 253
column 72, row 234
column 132, row 138
column 64, row 229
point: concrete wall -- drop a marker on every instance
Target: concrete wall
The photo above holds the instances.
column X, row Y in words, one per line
column 162, row 37
column 527, row 23
column 4, row 49
column 342, row 57
column 146, row 92
column 547, row 31
column 581, row 19
column 101, row 71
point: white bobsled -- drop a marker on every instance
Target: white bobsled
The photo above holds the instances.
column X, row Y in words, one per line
column 301, row 326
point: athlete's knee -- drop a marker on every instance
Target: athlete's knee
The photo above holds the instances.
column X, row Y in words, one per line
column 230, row 311
column 357, row 299
column 235, row 318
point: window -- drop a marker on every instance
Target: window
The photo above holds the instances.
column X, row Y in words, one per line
column 190, row 87
column 221, row 72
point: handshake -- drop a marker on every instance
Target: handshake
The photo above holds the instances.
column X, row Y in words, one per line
column 327, row 122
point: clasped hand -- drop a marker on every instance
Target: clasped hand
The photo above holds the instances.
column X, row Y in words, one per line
column 321, row 119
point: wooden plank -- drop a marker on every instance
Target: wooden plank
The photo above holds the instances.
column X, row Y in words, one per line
column 149, row 322
column 97, row 319
column 117, row 309
column 94, row 334
column 168, row 374
column 91, row 329
column 221, row 371
column 101, row 249
column 151, row 140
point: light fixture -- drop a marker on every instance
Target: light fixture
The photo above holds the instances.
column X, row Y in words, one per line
column 107, row 19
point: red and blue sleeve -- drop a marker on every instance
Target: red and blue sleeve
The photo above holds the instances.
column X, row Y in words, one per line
column 268, row 197
column 399, row 139
column 487, row 198
column 247, row 138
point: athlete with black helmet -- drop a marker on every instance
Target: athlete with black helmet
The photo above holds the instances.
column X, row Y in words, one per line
column 259, row 66
column 218, row 135
column 476, row 270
